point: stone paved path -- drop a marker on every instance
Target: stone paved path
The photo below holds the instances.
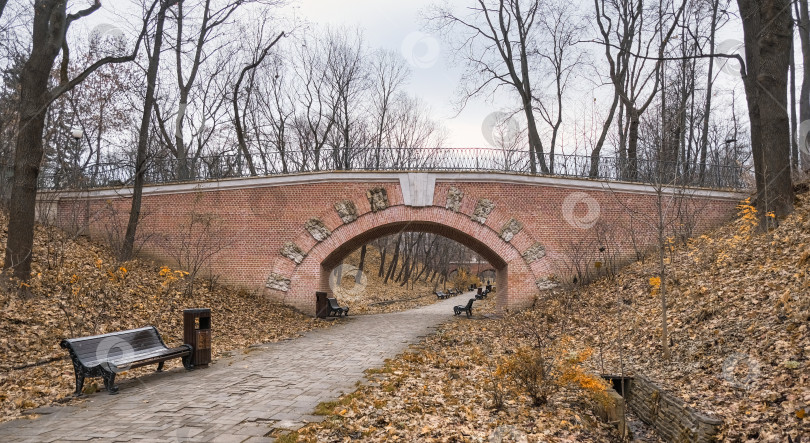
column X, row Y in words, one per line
column 241, row 398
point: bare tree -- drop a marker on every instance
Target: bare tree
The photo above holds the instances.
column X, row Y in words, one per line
column 388, row 74
column 348, row 79
column 804, row 94
column 195, row 47
column 50, row 26
column 561, row 29
column 257, row 53
column 498, row 40
column 629, row 46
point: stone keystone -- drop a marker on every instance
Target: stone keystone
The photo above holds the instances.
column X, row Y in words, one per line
column 510, row 229
column 278, row 282
column 482, row 210
column 346, row 210
column 317, row 229
column 534, row 253
column 454, row 196
column 293, row 252
column 377, row 198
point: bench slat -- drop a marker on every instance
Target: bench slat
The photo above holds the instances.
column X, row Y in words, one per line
column 105, row 355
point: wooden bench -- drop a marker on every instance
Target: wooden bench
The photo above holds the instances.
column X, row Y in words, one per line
column 334, row 308
column 452, row 292
column 106, row 355
column 442, row 295
column 457, row 310
column 482, row 295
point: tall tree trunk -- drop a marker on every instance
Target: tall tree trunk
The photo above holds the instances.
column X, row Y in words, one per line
column 594, row 172
column 707, row 108
column 794, row 147
column 143, row 136
column 804, row 94
column 394, row 260
column 381, row 271
column 49, row 27
column 768, row 31
column 632, row 144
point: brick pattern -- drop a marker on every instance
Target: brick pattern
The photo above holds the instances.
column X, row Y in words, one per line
column 258, row 222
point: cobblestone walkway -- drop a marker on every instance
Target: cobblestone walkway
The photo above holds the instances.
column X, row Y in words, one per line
column 241, row 398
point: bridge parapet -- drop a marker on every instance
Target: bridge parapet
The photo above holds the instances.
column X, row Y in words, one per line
column 477, row 160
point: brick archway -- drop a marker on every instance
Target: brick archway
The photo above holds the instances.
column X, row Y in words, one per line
column 515, row 279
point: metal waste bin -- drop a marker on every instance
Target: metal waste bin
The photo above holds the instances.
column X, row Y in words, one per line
column 321, row 305
column 197, row 333
column 480, row 291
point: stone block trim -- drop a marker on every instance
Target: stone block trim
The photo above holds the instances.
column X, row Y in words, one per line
column 546, row 284
column 377, row 198
column 534, row 253
column 482, row 210
column 454, row 197
column 278, row 282
column 346, row 210
column 317, row 229
column 293, row 252
column 510, row 229
column 669, row 415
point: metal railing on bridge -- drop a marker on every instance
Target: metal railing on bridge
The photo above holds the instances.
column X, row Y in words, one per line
column 172, row 170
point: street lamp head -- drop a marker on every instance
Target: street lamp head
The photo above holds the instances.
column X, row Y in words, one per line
column 76, row 133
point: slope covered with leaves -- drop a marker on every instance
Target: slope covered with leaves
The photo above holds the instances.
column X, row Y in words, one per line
column 455, row 386
column 79, row 289
column 738, row 305
column 738, row 316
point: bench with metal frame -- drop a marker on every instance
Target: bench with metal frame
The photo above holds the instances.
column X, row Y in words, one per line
column 105, row 355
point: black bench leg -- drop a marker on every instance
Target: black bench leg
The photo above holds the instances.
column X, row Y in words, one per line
column 109, row 382
column 79, row 384
column 187, row 362
column 160, row 367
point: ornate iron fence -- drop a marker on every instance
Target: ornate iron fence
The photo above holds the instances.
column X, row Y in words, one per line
column 171, row 170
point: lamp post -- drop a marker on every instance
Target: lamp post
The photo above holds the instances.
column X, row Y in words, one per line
column 77, row 134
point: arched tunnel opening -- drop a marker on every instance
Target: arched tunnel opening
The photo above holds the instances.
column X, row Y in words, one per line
column 402, row 265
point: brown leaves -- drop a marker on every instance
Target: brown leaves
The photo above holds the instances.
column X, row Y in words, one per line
column 87, row 292
column 440, row 391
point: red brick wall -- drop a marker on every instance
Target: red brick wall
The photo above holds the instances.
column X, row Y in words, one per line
column 255, row 222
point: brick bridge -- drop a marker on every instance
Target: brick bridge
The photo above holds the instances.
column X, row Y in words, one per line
column 285, row 234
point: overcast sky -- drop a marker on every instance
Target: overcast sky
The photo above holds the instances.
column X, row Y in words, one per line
column 396, row 25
